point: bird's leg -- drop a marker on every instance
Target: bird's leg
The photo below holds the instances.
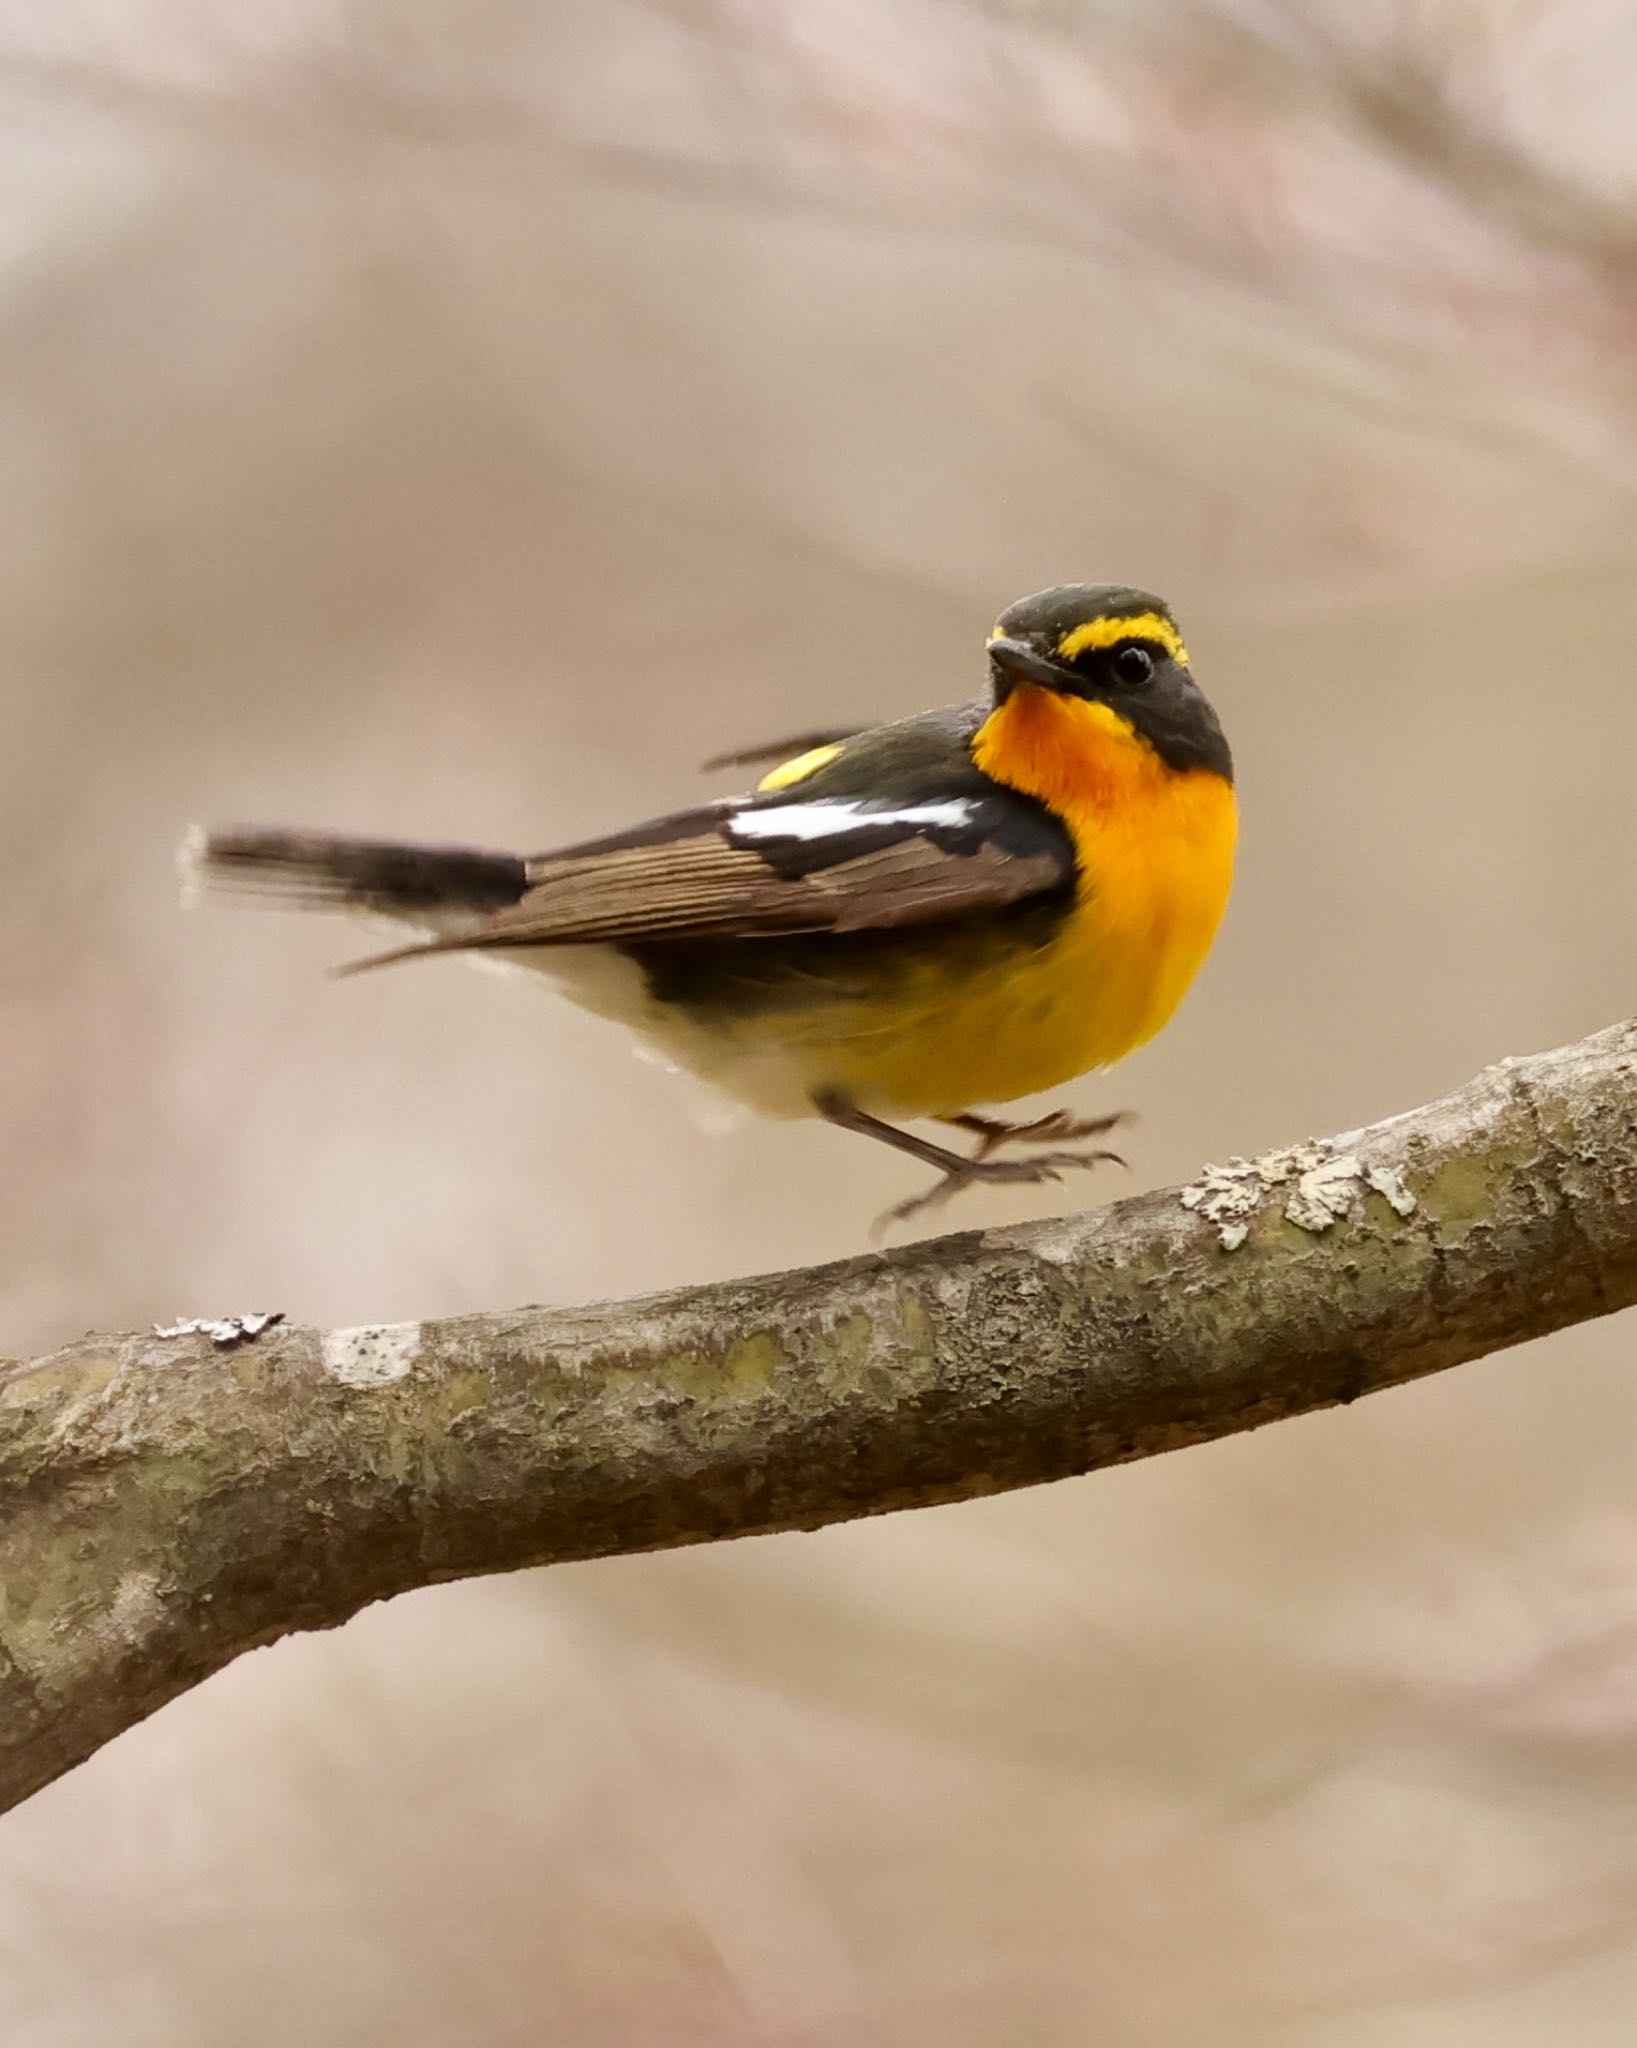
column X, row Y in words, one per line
column 1056, row 1127
column 957, row 1171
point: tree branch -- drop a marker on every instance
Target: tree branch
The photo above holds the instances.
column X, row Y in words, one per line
column 166, row 1502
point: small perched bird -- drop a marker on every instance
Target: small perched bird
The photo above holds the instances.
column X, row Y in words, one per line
column 959, row 908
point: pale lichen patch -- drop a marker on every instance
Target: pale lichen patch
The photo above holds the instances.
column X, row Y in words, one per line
column 223, row 1331
column 1324, row 1192
column 1393, row 1189
column 1229, row 1197
column 373, row 1355
column 1322, row 1188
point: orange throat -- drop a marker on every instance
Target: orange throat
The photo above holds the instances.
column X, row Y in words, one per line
column 1155, row 847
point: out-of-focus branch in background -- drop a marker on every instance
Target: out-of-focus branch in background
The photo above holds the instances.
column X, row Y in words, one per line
column 1372, row 205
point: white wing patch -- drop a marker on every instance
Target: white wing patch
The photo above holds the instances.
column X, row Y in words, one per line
column 819, row 820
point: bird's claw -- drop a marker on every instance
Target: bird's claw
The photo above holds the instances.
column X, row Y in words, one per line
column 1056, row 1127
column 982, row 1170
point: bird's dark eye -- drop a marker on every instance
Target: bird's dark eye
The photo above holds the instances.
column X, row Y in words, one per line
column 1134, row 665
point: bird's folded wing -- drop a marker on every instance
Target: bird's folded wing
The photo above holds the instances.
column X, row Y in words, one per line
column 764, row 867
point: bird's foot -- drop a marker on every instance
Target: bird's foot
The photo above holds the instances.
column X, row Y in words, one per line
column 959, row 1170
column 1056, row 1127
column 980, row 1171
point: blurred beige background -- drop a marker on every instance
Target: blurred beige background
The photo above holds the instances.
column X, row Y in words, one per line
column 459, row 421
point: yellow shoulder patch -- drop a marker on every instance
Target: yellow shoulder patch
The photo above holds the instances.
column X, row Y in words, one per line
column 800, row 768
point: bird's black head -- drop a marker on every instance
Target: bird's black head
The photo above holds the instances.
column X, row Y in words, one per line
column 1113, row 646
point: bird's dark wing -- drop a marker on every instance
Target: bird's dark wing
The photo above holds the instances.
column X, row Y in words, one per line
column 899, row 829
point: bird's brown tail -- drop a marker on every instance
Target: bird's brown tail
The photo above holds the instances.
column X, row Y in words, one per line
column 432, row 886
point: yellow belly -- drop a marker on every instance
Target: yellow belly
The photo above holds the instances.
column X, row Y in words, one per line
column 1028, row 1021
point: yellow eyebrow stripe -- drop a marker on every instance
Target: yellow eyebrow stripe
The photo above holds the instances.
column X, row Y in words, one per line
column 800, row 768
column 1104, row 632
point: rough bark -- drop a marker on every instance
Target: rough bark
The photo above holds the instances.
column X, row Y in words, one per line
column 166, row 1502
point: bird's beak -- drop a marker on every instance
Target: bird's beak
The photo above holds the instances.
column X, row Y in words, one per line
column 1015, row 661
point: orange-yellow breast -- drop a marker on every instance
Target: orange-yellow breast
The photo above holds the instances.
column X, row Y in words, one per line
column 1155, row 848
